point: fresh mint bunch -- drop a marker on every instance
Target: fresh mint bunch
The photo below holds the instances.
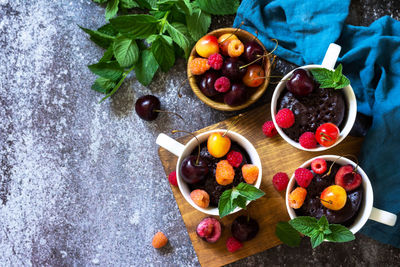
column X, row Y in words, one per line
column 237, row 197
column 330, row 79
column 150, row 39
column 317, row 230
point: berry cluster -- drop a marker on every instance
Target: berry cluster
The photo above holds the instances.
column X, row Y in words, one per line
column 222, row 67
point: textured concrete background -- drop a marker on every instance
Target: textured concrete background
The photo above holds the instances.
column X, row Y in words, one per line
column 81, row 182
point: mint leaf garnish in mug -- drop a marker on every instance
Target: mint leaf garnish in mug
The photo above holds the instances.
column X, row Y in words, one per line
column 237, row 197
column 330, row 79
column 317, row 230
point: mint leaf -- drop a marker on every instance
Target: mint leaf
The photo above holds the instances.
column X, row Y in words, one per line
column 108, row 29
column 138, row 25
column 146, row 67
column 225, row 205
column 198, row 23
column 323, row 224
column 250, row 192
column 316, row 239
column 179, row 34
column 103, row 85
column 339, row 234
column 111, row 9
column 287, row 234
column 337, row 73
column 128, row 4
column 126, row 51
column 304, row 224
column 185, row 6
column 110, row 70
column 218, row 7
column 148, row 4
column 108, row 54
column 330, row 79
column 240, row 201
column 101, row 39
column 163, row 53
column 100, row 1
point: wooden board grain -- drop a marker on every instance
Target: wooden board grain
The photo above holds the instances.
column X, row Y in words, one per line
column 276, row 156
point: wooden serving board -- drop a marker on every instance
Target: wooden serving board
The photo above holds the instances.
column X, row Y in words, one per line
column 276, row 156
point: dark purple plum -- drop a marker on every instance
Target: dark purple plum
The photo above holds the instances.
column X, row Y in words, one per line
column 252, row 50
column 191, row 172
column 301, row 83
column 209, row 229
column 237, row 95
column 231, row 69
column 244, row 228
column 207, row 81
column 147, row 107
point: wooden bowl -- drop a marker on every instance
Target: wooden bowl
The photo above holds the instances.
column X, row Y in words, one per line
column 255, row 93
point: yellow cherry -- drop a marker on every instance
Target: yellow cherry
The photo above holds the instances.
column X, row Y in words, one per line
column 218, row 145
column 334, row 197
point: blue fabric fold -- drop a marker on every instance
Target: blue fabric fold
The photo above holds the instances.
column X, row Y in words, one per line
column 371, row 60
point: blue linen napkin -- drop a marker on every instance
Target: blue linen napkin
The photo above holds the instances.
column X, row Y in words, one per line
column 371, row 60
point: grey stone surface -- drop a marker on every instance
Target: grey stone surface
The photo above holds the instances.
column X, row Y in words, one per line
column 80, row 182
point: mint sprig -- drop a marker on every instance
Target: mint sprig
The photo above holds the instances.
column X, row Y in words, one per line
column 150, row 39
column 330, row 79
column 237, row 197
column 317, row 230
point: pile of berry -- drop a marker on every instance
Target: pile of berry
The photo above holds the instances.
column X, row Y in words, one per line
column 223, row 69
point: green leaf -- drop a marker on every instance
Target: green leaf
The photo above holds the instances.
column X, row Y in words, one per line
column 103, row 85
column 339, row 234
column 110, row 70
column 178, row 32
column 126, row 51
column 185, row 6
column 163, row 53
column 101, row 39
column 240, row 201
column 108, row 29
column 250, row 192
column 323, row 224
column 146, row 67
column 337, row 73
column 218, row 7
column 198, row 23
column 148, row 4
column 330, row 79
column 225, row 205
column 108, row 54
column 316, row 239
column 100, row 1
column 128, row 4
column 287, row 234
column 111, row 9
column 139, row 25
column 304, row 224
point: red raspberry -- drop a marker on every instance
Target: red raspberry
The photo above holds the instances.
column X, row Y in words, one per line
column 285, row 118
column 269, row 129
column 222, row 84
column 215, row 61
column 234, row 158
column 233, row 245
column 307, row 140
column 319, row 166
column 280, row 181
column 303, row 177
column 172, row 178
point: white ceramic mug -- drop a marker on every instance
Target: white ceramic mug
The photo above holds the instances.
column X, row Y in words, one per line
column 182, row 151
column 366, row 211
column 329, row 63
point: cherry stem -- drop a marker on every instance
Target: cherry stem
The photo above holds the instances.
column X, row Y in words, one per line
column 233, row 33
column 261, row 56
column 233, row 124
column 170, row 112
column 347, row 155
column 330, row 201
column 181, row 85
column 198, row 142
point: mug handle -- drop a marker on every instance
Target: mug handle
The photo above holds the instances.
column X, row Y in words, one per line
column 170, row 144
column 382, row 216
column 331, row 56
